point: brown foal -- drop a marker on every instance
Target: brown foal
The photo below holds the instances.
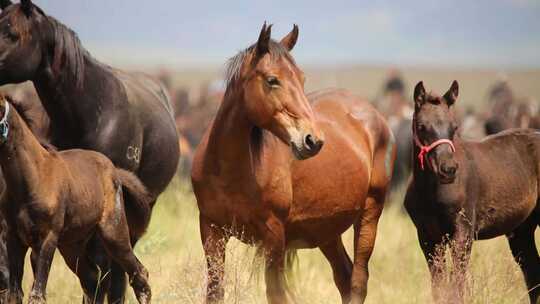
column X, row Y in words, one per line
column 59, row 200
column 467, row 190
column 262, row 173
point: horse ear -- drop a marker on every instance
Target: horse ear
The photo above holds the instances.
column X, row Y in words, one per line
column 452, row 94
column 5, row 3
column 264, row 39
column 27, row 6
column 290, row 40
column 419, row 94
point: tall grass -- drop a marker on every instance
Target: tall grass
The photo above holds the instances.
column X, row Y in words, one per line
column 172, row 252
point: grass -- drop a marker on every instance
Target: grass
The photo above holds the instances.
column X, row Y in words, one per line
column 172, row 252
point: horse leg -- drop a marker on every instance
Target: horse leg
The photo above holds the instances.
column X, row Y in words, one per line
column 342, row 266
column 274, row 248
column 432, row 248
column 365, row 231
column 114, row 232
column 86, row 271
column 461, row 247
column 526, row 255
column 16, row 254
column 117, row 290
column 43, row 267
column 4, row 262
column 214, row 242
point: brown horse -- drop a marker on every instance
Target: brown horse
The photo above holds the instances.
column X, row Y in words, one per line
column 246, row 179
column 58, row 200
column 126, row 116
column 465, row 190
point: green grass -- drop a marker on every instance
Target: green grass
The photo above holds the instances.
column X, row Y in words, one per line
column 172, row 252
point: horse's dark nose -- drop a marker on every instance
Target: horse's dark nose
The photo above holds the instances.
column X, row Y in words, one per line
column 449, row 170
column 312, row 144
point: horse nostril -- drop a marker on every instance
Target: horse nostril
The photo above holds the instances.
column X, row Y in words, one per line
column 449, row 170
column 310, row 142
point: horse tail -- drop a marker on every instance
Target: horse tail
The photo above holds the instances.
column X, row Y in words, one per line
column 137, row 193
column 290, row 268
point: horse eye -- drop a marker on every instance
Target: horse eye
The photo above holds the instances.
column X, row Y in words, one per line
column 421, row 128
column 13, row 36
column 272, row 81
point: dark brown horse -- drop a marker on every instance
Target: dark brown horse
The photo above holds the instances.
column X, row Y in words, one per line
column 260, row 171
column 465, row 190
column 58, row 200
column 125, row 116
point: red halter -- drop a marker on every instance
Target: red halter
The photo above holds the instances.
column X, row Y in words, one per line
column 424, row 150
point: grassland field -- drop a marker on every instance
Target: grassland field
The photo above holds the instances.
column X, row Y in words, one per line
column 172, row 251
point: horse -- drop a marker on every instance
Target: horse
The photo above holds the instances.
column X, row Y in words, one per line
column 262, row 175
column 36, row 118
column 508, row 112
column 58, row 200
column 395, row 107
column 126, row 116
column 463, row 191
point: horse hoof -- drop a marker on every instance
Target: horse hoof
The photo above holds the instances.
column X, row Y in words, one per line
column 35, row 299
column 144, row 298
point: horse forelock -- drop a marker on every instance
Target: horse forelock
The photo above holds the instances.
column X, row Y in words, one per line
column 233, row 69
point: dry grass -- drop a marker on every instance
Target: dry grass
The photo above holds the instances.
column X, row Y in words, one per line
column 172, row 252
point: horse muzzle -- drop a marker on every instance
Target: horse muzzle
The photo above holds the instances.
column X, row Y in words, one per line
column 309, row 147
column 447, row 172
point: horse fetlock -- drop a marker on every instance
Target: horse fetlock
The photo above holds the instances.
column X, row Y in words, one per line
column 36, row 298
column 139, row 282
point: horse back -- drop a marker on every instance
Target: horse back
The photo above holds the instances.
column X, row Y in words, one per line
column 365, row 125
column 506, row 179
column 143, row 91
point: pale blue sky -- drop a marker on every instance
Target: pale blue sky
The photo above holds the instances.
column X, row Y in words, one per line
column 483, row 33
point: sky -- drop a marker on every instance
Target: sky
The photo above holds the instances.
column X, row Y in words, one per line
column 482, row 33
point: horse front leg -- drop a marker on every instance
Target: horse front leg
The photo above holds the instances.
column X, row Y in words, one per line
column 433, row 245
column 461, row 246
column 214, row 242
column 43, row 267
column 16, row 254
column 365, row 231
column 274, row 247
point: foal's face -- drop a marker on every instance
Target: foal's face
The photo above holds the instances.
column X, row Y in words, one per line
column 274, row 95
column 434, row 120
column 20, row 50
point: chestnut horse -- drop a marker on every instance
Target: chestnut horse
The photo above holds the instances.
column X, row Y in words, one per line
column 126, row 116
column 467, row 190
column 58, row 200
column 260, row 171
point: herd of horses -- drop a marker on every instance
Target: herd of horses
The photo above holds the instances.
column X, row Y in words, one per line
column 83, row 166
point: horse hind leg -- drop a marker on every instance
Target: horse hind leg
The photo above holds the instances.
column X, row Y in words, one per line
column 526, row 255
column 114, row 232
column 91, row 278
column 341, row 265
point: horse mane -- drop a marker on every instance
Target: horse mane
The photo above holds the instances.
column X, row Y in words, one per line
column 257, row 142
column 234, row 65
column 24, row 110
column 69, row 53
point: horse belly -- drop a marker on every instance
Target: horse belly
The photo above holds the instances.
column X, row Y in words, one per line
column 325, row 206
column 500, row 219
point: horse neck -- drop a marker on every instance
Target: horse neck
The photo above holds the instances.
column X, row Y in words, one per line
column 22, row 156
column 229, row 143
column 72, row 102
